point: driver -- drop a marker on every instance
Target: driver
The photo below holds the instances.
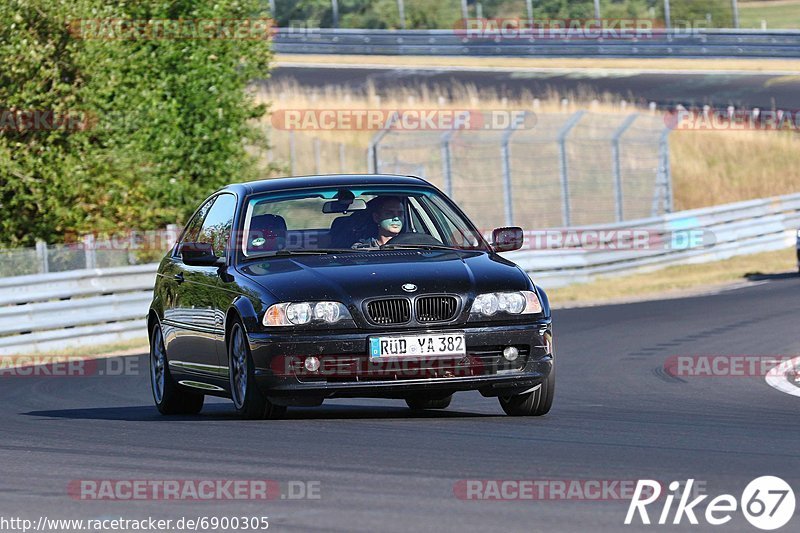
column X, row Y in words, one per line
column 388, row 215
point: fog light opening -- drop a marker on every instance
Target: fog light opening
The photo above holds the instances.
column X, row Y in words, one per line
column 511, row 353
column 312, row 364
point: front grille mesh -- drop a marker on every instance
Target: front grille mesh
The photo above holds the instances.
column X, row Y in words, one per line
column 389, row 311
column 436, row 308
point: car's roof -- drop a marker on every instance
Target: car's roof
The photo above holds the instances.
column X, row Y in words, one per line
column 331, row 180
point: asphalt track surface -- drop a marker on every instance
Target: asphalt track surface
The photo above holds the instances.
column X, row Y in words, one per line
column 617, row 416
column 744, row 89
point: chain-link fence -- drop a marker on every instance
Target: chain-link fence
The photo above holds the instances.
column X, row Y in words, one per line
column 549, row 170
column 300, row 154
column 91, row 251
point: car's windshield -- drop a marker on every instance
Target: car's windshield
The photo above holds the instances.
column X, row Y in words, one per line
column 364, row 218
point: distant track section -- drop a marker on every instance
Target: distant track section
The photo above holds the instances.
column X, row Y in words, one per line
column 657, row 44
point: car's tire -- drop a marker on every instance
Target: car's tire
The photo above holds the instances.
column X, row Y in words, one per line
column 418, row 404
column 247, row 398
column 169, row 397
column 534, row 403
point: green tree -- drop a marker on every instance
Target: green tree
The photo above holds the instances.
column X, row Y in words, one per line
column 171, row 116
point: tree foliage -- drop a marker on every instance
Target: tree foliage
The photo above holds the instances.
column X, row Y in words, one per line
column 427, row 14
column 164, row 121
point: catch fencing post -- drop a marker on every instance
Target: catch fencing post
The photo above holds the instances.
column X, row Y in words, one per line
column 667, row 171
column 617, row 166
column 505, row 155
column 373, row 161
column 317, row 156
column 664, row 177
column 563, row 165
column 341, row 158
column 401, row 12
column 447, row 167
column 292, row 153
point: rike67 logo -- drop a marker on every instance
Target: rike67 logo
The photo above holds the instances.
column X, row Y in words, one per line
column 767, row 502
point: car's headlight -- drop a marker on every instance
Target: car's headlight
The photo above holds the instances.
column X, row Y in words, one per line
column 513, row 303
column 299, row 313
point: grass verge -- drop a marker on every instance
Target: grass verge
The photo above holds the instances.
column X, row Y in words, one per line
column 779, row 14
column 118, row 349
column 700, row 65
column 677, row 280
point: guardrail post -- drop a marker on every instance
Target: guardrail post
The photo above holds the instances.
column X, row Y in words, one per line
column 563, row 166
column 89, row 251
column 505, row 158
column 447, row 166
column 41, row 255
column 617, row 165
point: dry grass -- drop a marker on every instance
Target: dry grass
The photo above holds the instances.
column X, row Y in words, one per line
column 701, row 65
column 676, row 280
column 709, row 168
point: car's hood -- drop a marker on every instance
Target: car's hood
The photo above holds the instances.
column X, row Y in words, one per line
column 351, row 277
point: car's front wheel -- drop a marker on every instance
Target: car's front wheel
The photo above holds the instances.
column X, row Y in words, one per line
column 250, row 403
column 535, row 403
column 169, row 397
column 418, row 404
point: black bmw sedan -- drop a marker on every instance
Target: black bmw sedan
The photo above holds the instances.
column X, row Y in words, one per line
column 289, row 291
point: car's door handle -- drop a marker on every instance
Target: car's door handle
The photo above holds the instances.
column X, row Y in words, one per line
column 178, row 277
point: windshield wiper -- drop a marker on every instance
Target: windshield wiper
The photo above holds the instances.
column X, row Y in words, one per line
column 287, row 253
column 420, row 247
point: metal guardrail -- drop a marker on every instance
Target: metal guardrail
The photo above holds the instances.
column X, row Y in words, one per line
column 53, row 312
column 662, row 43
column 50, row 312
column 725, row 231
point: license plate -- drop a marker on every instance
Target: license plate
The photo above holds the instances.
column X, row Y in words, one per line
column 417, row 345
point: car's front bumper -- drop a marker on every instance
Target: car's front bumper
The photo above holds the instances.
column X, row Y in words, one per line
column 348, row 371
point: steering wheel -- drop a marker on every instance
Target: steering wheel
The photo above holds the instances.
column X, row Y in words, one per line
column 414, row 238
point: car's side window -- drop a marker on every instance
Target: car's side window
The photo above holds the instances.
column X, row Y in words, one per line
column 217, row 225
column 192, row 230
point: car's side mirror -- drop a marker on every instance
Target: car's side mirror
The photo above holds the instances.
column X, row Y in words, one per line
column 199, row 254
column 507, row 239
